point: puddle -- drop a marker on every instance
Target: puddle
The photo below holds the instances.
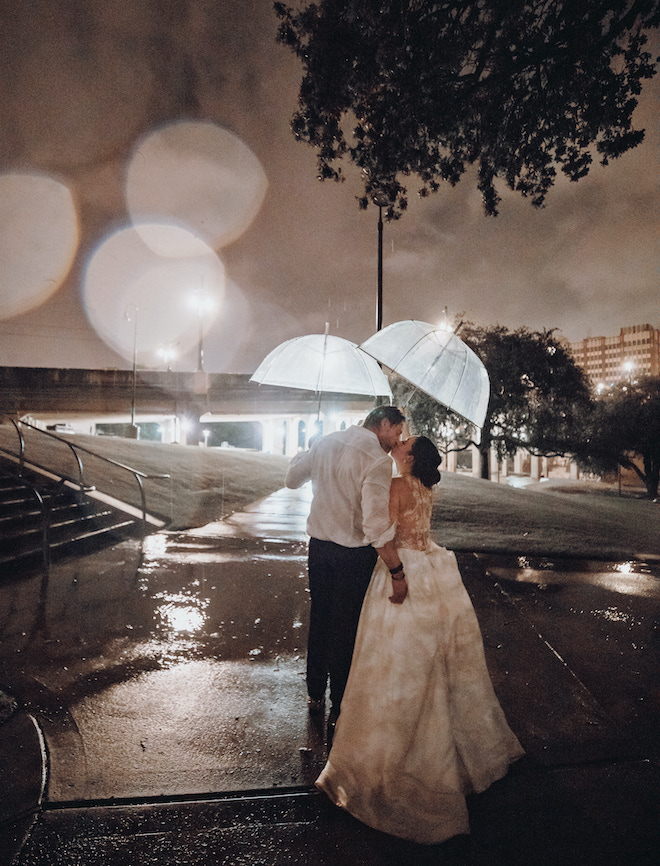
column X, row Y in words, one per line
column 631, row 577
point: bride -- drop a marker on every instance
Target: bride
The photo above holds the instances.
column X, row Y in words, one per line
column 420, row 725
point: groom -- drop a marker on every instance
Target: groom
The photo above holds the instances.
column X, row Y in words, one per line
column 349, row 527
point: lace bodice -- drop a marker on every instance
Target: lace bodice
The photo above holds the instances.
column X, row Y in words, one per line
column 414, row 516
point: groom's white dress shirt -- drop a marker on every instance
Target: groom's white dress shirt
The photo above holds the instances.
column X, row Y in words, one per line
column 351, row 476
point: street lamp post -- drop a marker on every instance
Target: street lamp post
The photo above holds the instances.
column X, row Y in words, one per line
column 200, row 341
column 204, row 303
column 135, row 326
column 380, row 201
column 379, row 301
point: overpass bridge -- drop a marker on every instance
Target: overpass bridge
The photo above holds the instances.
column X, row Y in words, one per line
column 189, row 408
column 211, row 409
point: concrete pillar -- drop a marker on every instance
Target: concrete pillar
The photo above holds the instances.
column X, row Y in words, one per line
column 574, row 471
column 292, row 434
column 544, row 466
column 518, row 462
column 535, row 472
column 493, row 464
column 268, row 436
column 476, row 461
column 168, row 430
column 450, row 462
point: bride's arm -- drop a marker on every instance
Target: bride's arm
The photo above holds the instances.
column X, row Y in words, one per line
column 399, row 584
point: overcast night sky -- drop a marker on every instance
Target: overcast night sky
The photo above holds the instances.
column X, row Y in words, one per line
column 147, row 164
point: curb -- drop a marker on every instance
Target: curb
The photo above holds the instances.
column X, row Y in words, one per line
column 23, row 770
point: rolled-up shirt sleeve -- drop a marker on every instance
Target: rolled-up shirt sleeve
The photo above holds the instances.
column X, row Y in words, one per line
column 376, row 523
column 299, row 471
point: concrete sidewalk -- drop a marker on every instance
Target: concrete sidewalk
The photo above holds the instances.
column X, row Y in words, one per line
column 162, row 688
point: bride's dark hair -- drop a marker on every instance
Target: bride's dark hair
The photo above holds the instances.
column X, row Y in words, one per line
column 426, row 459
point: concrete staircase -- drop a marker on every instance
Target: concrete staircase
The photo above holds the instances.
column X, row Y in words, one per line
column 41, row 520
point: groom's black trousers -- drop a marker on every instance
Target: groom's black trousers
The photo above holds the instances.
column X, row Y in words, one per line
column 338, row 580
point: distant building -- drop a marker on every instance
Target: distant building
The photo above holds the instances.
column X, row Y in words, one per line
column 633, row 353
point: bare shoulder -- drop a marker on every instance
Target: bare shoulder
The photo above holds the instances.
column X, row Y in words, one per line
column 395, row 489
column 401, row 488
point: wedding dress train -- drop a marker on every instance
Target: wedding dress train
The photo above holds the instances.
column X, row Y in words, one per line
column 420, row 725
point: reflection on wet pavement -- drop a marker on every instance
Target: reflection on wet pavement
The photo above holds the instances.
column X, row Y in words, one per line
column 179, row 662
column 197, row 727
column 599, row 620
column 179, row 668
column 634, row 577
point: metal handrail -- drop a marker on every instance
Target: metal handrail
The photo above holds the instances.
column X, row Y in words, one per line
column 139, row 476
column 21, row 438
column 45, row 511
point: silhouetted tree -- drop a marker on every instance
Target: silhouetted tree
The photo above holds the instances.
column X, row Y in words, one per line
column 539, row 397
column 427, row 417
column 430, row 87
column 625, row 424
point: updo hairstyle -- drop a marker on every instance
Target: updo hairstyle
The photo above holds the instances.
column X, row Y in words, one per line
column 426, row 459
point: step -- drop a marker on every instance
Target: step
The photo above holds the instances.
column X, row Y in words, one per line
column 20, row 520
column 61, row 531
column 85, row 542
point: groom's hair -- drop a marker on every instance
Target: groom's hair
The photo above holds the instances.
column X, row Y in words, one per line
column 383, row 413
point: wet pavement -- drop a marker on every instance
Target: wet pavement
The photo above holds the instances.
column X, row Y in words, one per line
column 162, row 708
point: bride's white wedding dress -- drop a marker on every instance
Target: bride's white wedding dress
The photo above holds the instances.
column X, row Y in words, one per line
column 420, row 725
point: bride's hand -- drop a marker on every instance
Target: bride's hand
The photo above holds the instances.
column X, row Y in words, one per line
column 399, row 591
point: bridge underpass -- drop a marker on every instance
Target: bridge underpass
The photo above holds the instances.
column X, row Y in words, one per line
column 188, row 408
column 211, row 409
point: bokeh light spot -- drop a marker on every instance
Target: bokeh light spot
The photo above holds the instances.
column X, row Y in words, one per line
column 196, row 175
column 38, row 240
column 139, row 300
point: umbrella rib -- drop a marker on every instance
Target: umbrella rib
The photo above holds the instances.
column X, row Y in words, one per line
column 417, row 342
column 457, row 387
column 414, row 346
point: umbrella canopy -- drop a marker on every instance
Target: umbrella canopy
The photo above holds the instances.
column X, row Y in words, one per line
column 322, row 363
column 437, row 362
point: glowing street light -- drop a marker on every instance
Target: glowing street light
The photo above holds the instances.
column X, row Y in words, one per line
column 445, row 324
column 629, row 366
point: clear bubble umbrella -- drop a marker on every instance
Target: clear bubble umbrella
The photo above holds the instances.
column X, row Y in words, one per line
column 437, row 362
column 323, row 363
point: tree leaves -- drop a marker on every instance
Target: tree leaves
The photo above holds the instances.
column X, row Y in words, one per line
column 426, row 88
column 626, row 423
column 539, row 396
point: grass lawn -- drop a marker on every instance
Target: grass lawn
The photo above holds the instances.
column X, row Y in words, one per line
column 543, row 519
column 205, row 483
